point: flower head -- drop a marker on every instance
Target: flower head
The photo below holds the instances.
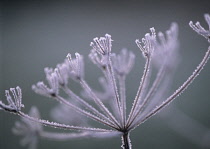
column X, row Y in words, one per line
column 166, row 49
column 28, row 129
column 200, row 30
column 99, row 60
column 52, row 79
column 102, row 45
column 76, row 66
column 109, row 107
column 15, row 102
column 123, row 62
column 63, row 72
column 147, row 44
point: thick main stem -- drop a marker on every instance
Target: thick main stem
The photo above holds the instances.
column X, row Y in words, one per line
column 126, row 142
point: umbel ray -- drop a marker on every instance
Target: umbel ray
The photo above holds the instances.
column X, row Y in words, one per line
column 107, row 107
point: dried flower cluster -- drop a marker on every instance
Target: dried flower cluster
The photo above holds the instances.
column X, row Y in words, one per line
column 108, row 107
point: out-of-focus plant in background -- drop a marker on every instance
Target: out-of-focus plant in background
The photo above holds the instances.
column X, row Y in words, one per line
column 21, row 24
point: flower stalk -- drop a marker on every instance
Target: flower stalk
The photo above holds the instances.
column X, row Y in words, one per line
column 107, row 107
column 126, row 142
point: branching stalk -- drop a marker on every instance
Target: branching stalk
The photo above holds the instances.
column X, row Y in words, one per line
column 137, row 98
column 114, row 86
column 98, row 102
column 61, row 126
column 87, row 105
column 177, row 92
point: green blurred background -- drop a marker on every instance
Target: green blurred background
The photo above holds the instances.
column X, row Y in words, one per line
column 37, row 34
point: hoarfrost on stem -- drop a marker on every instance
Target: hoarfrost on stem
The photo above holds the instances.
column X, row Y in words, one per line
column 108, row 107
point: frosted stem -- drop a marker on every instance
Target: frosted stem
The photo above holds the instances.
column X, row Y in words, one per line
column 126, row 142
column 81, row 111
column 61, row 126
column 62, row 136
column 114, row 86
column 98, row 102
column 137, row 98
column 177, row 92
column 69, row 136
column 87, row 105
column 123, row 97
column 151, row 92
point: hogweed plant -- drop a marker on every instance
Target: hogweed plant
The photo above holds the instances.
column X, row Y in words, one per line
column 110, row 106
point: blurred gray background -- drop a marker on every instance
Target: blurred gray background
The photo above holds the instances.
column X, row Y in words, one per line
column 37, row 34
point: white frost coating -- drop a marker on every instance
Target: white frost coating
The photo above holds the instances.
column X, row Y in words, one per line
column 98, row 59
column 84, row 112
column 98, row 102
column 76, row 66
column 102, row 45
column 61, row 126
column 146, row 49
column 64, row 136
column 71, row 136
column 62, row 72
column 147, row 44
column 87, row 105
column 178, row 91
column 15, row 102
column 162, row 53
column 150, row 93
column 122, row 65
column 105, row 95
column 200, row 30
column 164, row 58
column 53, row 81
column 140, row 90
